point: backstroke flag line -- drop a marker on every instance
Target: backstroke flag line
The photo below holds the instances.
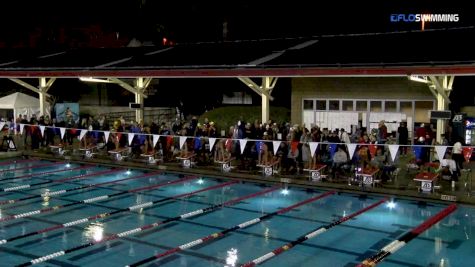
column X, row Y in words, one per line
column 393, row 151
column 351, row 149
column 440, row 151
column 242, row 144
column 276, row 145
column 313, row 147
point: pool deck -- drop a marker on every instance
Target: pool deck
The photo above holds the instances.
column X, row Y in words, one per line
column 406, row 189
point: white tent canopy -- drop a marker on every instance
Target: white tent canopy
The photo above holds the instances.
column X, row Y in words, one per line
column 22, row 104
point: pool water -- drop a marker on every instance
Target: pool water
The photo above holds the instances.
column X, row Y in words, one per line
column 448, row 243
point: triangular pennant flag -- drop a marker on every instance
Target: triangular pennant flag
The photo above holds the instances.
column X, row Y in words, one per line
column 242, row 144
column 467, row 153
column 313, row 147
column 131, row 138
column 211, row 141
column 372, row 150
column 182, row 140
column 351, row 149
column 440, row 152
column 62, row 130
column 82, row 134
column 2, row 124
column 276, row 145
column 42, row 129
column 22, row 126
column 393, row 151
column 155, row 139
column 106, row 135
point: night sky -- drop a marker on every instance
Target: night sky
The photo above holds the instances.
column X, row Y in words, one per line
column 203, row 20
column 194, row 21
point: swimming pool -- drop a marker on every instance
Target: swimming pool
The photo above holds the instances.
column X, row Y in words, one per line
column 86, row 215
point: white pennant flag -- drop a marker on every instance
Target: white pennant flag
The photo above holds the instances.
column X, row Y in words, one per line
column 82, row 134
column 155, row 139
column 106, row 136
column 313, row 147
column 242, row 144
column 182, row 140
column 276, row 145
column 351, row 149
column 22, row 126
column 42, row 129
column 131, row 138
column 2, row 124
column 211, row 141
column 440, row 152
column 393, row 151
column 62, row 131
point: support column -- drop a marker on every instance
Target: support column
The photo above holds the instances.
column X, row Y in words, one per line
column 443, row 87
column 265, row 90
column 139, row 86
column 265, row 108
column 441, row 105
column 42, row 98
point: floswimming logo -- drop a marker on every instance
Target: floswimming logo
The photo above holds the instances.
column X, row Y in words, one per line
column 424, row 17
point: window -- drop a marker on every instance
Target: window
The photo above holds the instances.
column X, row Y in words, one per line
column 390, row 106
column 361, row 105
column 308, row 104
column 321, row 105
column 347, row 105
column 334, row 105
column 376, row 106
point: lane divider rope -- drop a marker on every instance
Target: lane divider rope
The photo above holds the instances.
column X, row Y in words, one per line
column 90, row 200
column 228, row 230
column 76, row 177
column 308, row 235
column 42, row 173
column 39, row 174
column 17, row 161
column 31, row 167
column 145, row 227
column 108, row 214
column 395, row 245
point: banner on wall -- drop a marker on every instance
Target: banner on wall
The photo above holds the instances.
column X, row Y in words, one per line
column 64, row 111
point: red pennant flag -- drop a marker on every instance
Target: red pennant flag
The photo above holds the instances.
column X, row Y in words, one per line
column 467, row 153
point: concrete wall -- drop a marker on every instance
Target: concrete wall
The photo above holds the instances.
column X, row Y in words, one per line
column 354, row 88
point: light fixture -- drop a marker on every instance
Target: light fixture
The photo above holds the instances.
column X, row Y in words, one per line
column 128, row 172
column 417, row 78
column 200, row 181
column 68, row 165
column 94, row 80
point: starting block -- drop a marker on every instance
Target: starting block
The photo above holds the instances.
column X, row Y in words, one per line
column 150, row 157
column 57, row 149
column 269, row 170
column 89, row 151
column 119, row 154
column 225, row 165
column 315, row 174
column 187, row 161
